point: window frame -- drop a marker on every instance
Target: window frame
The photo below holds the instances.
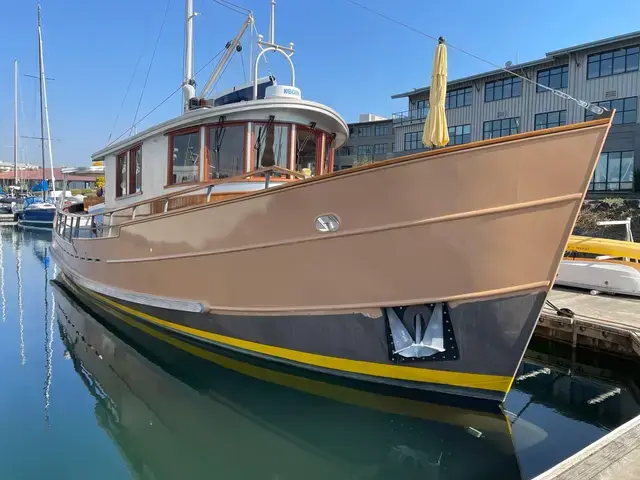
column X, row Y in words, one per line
column 418, row 141
column 546, row 123
column 129, row 158
column 484, row 130
column 592, row 183
column 172, row 136
column 503, row 82
column 455, row 92
column 384, row 126
column 368, row 130
column 548, row 72
column 613, row 57
column 455, row 135
column 386, row 148
column 588, row 116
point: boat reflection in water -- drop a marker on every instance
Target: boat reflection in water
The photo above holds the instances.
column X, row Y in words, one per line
column 178, row 411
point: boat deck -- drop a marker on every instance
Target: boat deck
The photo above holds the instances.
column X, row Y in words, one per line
column 602, row 322
column 616, row 455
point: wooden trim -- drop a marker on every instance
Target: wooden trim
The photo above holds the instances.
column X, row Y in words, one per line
column 125, row 155
column 207, row 140
column 320, row 146
column 293, row 132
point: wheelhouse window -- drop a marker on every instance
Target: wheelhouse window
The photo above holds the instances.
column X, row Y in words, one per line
column 556, row 78
column 306, row 149
column 626, row 110
column 550, row 119
column 501, row 128
column 185, row 157
column 129, row 172
column 226, row 151
column 614, row 172
column 328, row 153
column 501, row 89
column 271, row 145
column 613, row 62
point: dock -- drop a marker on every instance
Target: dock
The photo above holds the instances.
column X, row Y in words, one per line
column 599, row 322
column 7, row 219
column 614, row 456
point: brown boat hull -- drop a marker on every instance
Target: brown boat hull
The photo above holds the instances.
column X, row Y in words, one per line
column 427, row 229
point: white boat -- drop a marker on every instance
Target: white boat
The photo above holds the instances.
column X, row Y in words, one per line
column 607, row 273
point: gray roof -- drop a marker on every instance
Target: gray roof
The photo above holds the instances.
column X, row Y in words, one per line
column 549, row 57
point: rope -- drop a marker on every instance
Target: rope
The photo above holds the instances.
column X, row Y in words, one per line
column 586, row 105
column 126, row 94
column 166, row 99
column 233, row 7
column 153, row 55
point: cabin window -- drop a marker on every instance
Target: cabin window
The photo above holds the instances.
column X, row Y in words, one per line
column 135, row 167
column 122, row 174
column 129, row 172
column 185, row 158
column 271, row 145
column 328, row 153
column 306, row 149
column 226, row 151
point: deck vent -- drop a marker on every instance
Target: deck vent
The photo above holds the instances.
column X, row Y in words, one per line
column 611, row 94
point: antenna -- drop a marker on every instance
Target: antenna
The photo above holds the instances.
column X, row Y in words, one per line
column 272, row 46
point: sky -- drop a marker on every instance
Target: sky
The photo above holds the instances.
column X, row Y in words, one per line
column 345, row 57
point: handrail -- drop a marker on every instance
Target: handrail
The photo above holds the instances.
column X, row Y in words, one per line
column 195, row 188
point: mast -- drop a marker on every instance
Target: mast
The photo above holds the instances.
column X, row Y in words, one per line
column 15, row 123
column 44, row 114
column 188, row 82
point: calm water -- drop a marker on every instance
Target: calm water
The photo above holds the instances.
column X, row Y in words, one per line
column 79, row 400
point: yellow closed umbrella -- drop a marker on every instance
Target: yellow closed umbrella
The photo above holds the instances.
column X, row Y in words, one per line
column 435, row 127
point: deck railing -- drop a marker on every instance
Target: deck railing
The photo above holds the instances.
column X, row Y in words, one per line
column 84, row 225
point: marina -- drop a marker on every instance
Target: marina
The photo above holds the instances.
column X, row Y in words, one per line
column 239, row 285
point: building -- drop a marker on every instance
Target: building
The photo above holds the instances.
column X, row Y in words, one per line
column 28, row 178
column 370, row 139
column 496, row 104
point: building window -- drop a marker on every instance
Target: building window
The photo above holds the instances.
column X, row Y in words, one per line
column 422, row 108
column 393, row 146
column 185, row 158
column 380, row 148
column 500, row 89
column 614, row 62
column 501, row 128
column 345, row 151
column 129, row 172
column 550, row 119
column 381, row 130
column 364, row 150
column 556, row 78
column 351, row 132
column 459, row 98
column 459, row 134
column 613, row 172
column 364, row 131
column 412, row 141
column 626, row 110
column 226, row 151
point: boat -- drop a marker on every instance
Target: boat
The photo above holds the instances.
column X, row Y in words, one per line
column 197, row 406
column 602, row 265
column 406, row 273
column 34, row 212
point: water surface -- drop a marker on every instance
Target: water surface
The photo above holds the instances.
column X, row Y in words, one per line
column 81, row 399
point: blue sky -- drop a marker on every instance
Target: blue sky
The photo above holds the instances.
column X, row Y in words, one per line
column 345, row 57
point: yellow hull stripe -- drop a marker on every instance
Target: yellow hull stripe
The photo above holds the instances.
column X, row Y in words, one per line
column 484, row 421
column 457, row 379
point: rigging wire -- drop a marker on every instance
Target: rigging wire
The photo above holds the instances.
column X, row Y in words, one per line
column 126, row 94
column 167, row 98
column 244, row 72
column 253, row 24
column 233, row 7
column 566, row 96
column 222, row 73
column 153, row 55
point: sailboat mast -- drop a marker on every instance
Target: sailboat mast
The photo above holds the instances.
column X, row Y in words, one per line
column 16, row 136
column 188, row 82
column 41, row 78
